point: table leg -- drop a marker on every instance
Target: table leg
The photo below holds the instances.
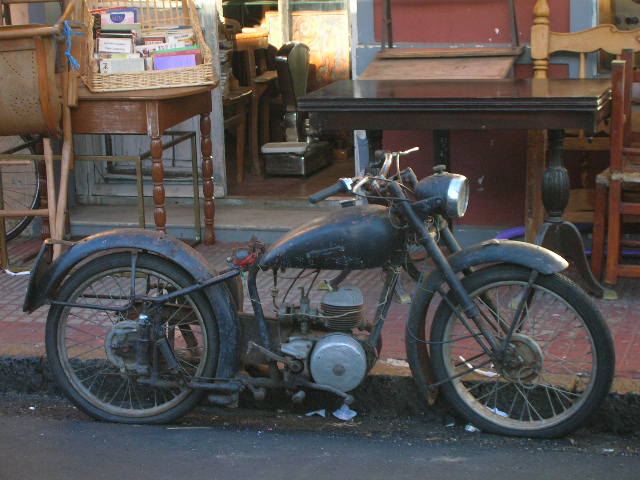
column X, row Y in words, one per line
column 441, row 148
column 557, row 234
column 207, row 179
column 157, row 174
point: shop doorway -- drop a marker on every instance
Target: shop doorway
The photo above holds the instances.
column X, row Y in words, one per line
column 324, row 27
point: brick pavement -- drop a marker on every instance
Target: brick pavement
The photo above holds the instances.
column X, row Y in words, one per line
column 23, row 335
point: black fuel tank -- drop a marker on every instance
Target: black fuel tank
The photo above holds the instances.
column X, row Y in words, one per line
column 350, row 238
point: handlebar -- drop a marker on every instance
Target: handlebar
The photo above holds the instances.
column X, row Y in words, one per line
column 341, row 186
column 345, row 184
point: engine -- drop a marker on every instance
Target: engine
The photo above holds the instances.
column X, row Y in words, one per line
column 324, row 341
column 337, row 359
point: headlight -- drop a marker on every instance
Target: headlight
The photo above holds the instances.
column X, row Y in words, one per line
column 451, row 188
column 457, row 196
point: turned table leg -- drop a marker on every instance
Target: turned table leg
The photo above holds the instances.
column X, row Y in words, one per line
column 157, row 174
column 556, row 233
column 207, row 179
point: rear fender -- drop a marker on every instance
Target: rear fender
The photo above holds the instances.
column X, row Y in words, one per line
column 47, row 276
column 492, row 251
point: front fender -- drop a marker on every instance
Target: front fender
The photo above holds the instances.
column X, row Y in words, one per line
column 47, row 276
column 492, row 251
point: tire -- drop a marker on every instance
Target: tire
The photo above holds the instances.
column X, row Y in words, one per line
column 81, row 353
column 567, row 356
column 20, row 188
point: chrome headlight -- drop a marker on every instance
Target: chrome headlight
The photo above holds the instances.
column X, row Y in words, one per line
column 451, row 188
column 457, row 196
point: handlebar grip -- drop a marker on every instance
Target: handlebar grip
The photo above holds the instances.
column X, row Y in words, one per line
column 336, row 188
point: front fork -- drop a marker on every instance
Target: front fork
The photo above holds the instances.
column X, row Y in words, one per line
column 470, row 311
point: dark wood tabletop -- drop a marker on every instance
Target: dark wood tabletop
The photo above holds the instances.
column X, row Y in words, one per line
column 459, row 104
column 481, row 104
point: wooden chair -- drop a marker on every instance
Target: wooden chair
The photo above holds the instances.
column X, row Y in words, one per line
column 544, row 44
column 618, row 187
column 255, row 73
column 35, row 101
column 236, row 106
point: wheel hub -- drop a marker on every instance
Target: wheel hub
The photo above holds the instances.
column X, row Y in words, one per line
column 120, row 345
column 523, row 360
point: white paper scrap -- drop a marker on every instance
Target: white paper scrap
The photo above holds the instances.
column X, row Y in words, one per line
column 498, row 412
column 344, row 413
column 322, row 413
column 17, row 274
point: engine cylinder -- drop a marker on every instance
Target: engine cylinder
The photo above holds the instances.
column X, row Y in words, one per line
column 342, row 309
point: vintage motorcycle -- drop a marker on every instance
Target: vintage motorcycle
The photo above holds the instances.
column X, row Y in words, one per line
column 140, row 326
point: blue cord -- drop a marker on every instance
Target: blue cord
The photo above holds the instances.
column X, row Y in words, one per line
column 68, row 33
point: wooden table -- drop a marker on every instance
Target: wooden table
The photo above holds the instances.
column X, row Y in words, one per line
column 516, row 104
column 152, row 112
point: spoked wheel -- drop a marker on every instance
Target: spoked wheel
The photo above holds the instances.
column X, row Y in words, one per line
column 20, row 187
column 559, row 364
column 92, row 350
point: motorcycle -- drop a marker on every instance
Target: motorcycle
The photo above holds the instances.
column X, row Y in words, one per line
column 140, row 326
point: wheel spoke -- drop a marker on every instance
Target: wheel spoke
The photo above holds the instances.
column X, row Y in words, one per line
column 97, row 349
column 549, row 369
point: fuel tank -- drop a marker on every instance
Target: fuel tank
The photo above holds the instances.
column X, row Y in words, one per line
column 348, row 239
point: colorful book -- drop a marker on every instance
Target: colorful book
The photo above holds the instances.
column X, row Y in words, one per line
column 122, row 27
column 127, row 15
column 122, row 65
column 174, row 61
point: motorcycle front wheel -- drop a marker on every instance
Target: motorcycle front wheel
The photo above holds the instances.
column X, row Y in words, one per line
column 561, row 360
column 91, row 350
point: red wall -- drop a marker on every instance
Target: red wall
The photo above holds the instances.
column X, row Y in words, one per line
column 465, row 21
column 493, row 161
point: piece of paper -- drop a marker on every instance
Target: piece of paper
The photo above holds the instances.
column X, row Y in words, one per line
column 115, row 45
column 345, row 413
column 17, row 274
column 322, row 413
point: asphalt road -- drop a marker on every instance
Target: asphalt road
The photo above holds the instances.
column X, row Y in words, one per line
column 72, row 447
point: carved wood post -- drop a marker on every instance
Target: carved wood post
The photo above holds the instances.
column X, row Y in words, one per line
column 555, row 183
column 157, row 174
column 540, row 39
column 207, row 178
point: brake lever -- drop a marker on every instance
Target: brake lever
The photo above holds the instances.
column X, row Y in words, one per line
column 360, row 184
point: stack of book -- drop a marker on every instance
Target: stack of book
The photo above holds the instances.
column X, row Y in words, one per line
column 122, row 46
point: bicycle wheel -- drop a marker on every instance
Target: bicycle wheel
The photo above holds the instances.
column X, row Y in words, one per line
column 561, row 360
column 92, row 352
column 20, row 187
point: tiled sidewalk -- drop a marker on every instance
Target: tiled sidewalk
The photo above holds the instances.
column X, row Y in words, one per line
column 23, row 335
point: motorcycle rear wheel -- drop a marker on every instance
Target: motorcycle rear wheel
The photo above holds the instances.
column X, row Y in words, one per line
column 80, row 341
column 564, row 356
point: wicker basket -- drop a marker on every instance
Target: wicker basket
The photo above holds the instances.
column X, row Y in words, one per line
column 151, row 14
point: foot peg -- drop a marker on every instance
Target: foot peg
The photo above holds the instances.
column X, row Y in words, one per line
column 224, row 400
column 298, row 397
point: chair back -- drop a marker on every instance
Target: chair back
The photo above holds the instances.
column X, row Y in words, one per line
column 29, row 98
column 292, row 64
column 544, row 42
